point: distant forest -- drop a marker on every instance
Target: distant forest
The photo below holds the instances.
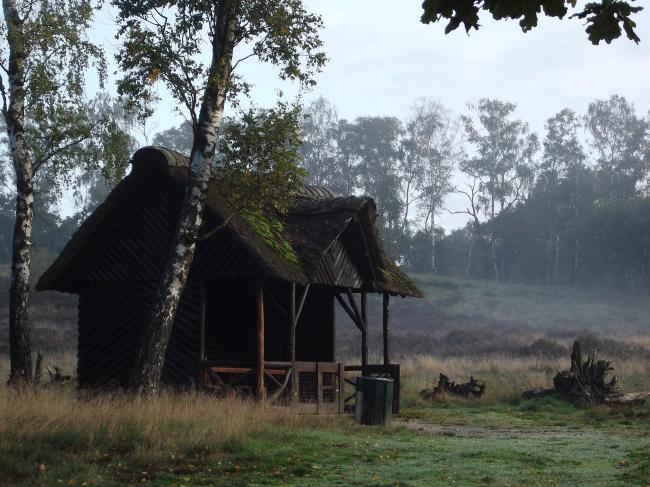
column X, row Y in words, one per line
column 568, row 207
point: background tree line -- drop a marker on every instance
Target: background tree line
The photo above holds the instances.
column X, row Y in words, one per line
column 570, row 207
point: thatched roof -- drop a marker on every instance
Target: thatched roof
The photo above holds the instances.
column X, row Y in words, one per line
column 289, row 247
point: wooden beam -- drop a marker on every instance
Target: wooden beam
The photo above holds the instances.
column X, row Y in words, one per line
column 279, row 392
column 349, row 311
column 385, row 323
column 302, row 302
column 367, row 248
column 273, row 379
column 259, row 376
column 293, row 320
column 269, row 295
column 355, row 308
column 364, row 332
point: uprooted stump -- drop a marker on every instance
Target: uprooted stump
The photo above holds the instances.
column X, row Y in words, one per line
column 473, row 388
column 586, row 382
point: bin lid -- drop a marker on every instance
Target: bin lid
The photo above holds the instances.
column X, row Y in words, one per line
column 387, row 379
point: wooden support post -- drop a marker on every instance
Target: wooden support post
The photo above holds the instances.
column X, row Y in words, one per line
column 292, row 323
column 295, row 385
column 341, row 379
column 201, row 337
column 386, row 316
column 319, row 389
column 259, row 383
column 364, row 332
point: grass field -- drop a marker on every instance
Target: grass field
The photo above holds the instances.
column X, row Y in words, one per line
column 54, row 437
column 510, row 336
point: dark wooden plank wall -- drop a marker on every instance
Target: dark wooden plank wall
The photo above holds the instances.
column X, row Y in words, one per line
column 108, row 334
column 140, row 243
column 110, row 325
column 337, row 268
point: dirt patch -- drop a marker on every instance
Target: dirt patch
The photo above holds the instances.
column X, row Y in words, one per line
column 486, row 432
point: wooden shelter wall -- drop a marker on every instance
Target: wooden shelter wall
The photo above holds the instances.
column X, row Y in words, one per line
column 110, row 327
column 316, row 328
column 337, row 268
column 108, row 334
column 140, row 240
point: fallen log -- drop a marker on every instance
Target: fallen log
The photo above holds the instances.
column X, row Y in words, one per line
column 629, row 398
column 473, row 388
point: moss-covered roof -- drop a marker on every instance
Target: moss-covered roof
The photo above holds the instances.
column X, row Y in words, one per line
column 289, row 246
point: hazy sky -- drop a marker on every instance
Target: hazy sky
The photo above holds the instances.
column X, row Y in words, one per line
column 382, row 58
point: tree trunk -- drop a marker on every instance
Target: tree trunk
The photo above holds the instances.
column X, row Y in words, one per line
column 19, row 332
column 576, row 260
column 14, row 115
column 469, row 257
column 433, row 243
column 576, row 243
column 556, row 258
column 149, row 362
column 495, row 262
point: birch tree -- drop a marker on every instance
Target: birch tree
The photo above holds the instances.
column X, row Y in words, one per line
column 162, row 43
column 44, row 54
column 432, row 150
column 563, row 158
column 620, row 140
column 319, row 148
column 502, row 167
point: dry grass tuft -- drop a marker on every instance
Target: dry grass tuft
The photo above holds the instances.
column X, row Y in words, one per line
column 184, row 421
column 505, row 377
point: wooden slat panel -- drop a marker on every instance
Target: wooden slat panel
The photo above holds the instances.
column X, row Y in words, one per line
column 338, row 269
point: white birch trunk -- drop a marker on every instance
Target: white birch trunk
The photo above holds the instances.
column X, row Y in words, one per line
column 433, row 241
column 14, row 114
column 149, row 363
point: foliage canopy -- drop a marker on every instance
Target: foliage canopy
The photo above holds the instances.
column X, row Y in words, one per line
column 606, row 19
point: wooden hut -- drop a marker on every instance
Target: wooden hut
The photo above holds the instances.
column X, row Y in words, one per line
column 258, row 310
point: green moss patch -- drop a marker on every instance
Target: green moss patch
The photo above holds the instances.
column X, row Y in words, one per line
column 270, row 231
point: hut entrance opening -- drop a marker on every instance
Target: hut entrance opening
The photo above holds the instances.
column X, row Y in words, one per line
column 230, row 323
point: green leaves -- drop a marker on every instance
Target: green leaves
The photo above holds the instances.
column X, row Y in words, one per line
column 502, row 164
column 63, row 131
column 258, row 155
column 605, row 19
column 165, row 41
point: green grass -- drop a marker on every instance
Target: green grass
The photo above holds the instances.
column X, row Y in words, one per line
column 536, row 442
column 376, row 459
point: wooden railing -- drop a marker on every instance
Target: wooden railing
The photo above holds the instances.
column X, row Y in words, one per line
column 318, row 387
column 308, row 387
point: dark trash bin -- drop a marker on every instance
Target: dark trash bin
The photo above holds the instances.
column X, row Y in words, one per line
column 374, row 405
